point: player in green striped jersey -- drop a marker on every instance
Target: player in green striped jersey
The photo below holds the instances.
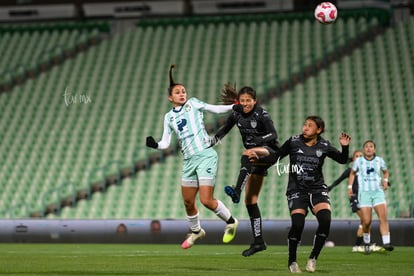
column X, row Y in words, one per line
column 371, row 193
column 185, row 119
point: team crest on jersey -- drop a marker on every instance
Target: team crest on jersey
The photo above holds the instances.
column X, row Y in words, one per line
column 187, row 107
column 318, row 153
column 253, row 123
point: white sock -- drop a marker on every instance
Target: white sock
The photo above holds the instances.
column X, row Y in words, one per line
column 194, row 222
column 367, row 238
column 222, row 211
column 386, row 239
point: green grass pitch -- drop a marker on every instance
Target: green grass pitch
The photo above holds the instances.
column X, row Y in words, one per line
column 156, row 259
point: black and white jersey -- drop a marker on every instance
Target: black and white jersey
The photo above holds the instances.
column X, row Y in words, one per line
column 256, row 128
column 306, row 162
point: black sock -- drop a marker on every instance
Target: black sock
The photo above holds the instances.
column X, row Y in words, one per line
column 324, row 220
column 255, row 222
column 359, row 241
column 293, row 244
column 294, row 236
column 244, row 174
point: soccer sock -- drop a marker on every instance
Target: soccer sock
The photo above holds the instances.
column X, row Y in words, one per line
column 324, row 220
column 367, row 238
column 255, row 222
column 295, row 233
column 244, row 173
column 222, row 211
column 194, row 222
column 386, row 239
column 358, row 241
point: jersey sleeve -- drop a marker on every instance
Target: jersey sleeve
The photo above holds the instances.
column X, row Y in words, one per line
column 343, row 176
column 166, row 135
column 217, row 109
column 383, row 165
column 228, row 125
column 339, row 156
column 356, row 164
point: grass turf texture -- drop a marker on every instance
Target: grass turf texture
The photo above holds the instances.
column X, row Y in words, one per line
column 148, row 259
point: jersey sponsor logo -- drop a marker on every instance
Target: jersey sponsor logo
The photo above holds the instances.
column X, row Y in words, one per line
column 308, row 159
column 300, row 151
column 181, row 124
column 370, row 170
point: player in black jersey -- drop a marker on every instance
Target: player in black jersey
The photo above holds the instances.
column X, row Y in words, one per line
column 306, row 187
column 259, row 136
column 353, row 200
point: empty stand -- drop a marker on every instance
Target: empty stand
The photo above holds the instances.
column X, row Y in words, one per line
column 87, row 118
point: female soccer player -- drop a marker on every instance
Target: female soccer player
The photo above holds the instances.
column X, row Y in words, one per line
column 306, row 187
column 259, row 136
column 353, row 203
column 353, row 200
column 371, row 193
column 200, row 160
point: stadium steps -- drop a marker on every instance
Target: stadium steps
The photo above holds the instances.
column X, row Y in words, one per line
column 35, row 48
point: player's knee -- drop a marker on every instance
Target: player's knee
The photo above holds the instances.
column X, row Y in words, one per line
column 244, row 160
column 208, row 203
column 324, row 220
column 189, row 205
column 298, row 223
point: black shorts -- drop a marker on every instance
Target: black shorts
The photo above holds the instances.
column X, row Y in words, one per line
column 303, row 200
column 262, row 170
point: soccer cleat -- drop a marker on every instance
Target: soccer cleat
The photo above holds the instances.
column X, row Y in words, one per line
column 388, row 247
column 254, row 248
column 376, row 248
column 230, row 231
column 367, row 249
column 294, row 268
column 311, row 265
column 231, row 192
column 189, row 242
column 359, row 248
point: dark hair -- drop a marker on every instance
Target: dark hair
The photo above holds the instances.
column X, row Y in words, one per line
column 320, row 123
column 353, row 154
column 369, row 141
column 172, row 83
column 247, row 90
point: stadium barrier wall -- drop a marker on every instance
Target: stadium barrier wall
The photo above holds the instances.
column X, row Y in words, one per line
column 173, row 231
